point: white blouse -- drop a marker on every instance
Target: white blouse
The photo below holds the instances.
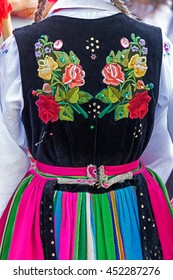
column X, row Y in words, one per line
column 14, row 161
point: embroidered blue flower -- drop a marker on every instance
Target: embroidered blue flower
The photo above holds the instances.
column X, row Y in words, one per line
column 38, row 54
column 145, row 50
column 142, row 42
column 47, row 50
column 38, row 45
column 134, row 49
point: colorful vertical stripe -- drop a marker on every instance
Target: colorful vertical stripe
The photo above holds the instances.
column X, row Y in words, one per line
column 102, row 226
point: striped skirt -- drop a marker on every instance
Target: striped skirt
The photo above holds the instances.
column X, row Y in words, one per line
column 48, row 218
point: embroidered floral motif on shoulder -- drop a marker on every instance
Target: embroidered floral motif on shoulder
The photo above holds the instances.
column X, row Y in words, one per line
column 63, row 76
column 167, row 48
column 126, row 94
column 3, row 48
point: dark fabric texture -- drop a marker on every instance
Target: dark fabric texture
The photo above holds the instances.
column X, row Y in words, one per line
column 149, row 236
column 47, row 221
column 92, row 140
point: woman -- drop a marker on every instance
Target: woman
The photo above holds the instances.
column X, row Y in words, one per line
column 151, row 12
column 90, row 85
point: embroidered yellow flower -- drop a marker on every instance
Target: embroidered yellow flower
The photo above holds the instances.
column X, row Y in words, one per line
column 139, row 64
column 46, row 66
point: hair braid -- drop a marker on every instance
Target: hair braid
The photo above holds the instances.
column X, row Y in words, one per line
column 121, row 6
column 40, row 10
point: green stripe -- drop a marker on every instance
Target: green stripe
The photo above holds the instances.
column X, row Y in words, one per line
column 82, row 231
column 100, row 242
column 105, row 245
column 9, row 227
column 108, row 227
column 163, row 187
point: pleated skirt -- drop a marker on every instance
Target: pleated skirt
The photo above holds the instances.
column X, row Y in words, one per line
column 131, row 220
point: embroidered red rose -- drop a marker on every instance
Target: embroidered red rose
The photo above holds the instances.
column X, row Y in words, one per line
column 112, row 74
column 74, row 75
column 48, row 109
column 138, row 106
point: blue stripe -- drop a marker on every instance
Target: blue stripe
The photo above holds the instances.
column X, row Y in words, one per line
column 129, row 223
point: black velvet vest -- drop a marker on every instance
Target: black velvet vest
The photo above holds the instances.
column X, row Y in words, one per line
column 90, row 88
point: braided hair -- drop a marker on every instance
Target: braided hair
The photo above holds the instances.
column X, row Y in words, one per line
column 42, row 4
column 40, row 10
column 121, row 6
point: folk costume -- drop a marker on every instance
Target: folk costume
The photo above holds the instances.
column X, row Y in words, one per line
column 90, row 87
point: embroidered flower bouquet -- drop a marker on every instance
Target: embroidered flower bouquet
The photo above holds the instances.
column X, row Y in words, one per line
column 126, row 94
column 63, row 76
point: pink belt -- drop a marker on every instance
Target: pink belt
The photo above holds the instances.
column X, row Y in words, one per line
column 102, row 176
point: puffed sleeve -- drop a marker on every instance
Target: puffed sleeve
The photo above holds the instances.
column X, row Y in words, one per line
column 14, row 161
column 159, row 152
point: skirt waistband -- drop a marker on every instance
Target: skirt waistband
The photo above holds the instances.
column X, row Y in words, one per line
column 82, row 171
column 102, row 176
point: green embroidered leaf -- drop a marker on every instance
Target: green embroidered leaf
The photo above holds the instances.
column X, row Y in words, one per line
column 84, row 97
column 133, row 37
column 103, row 96
column 114, row 94
column 127, row 92
column 66, row 113
column 40, row 91
column 121, row 112
column 43, row 39
column 72, row 95
column 111, row 58
column 74, row 59
column 118, row 57
column 59, row 94
column 48, row 44
column 125, row 57
column 62, row 58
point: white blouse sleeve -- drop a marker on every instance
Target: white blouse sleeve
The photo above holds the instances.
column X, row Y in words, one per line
column 14, row 162
column 159, row 152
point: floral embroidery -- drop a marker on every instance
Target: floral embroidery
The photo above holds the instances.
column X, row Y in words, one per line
column 126, row 94
column 63, row 76
column 3, row 48
column 73, row 76
column 112, row 74
column 48, row 109
column 138, row 106
column 167, row 48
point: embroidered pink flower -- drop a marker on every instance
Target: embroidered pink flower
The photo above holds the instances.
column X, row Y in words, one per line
column 112, row 74
column 167, row 47
column 74, row 75
column 138, row 106
column 58, row 45
column 48, row 109
column 124, row 42
column 47, row 88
